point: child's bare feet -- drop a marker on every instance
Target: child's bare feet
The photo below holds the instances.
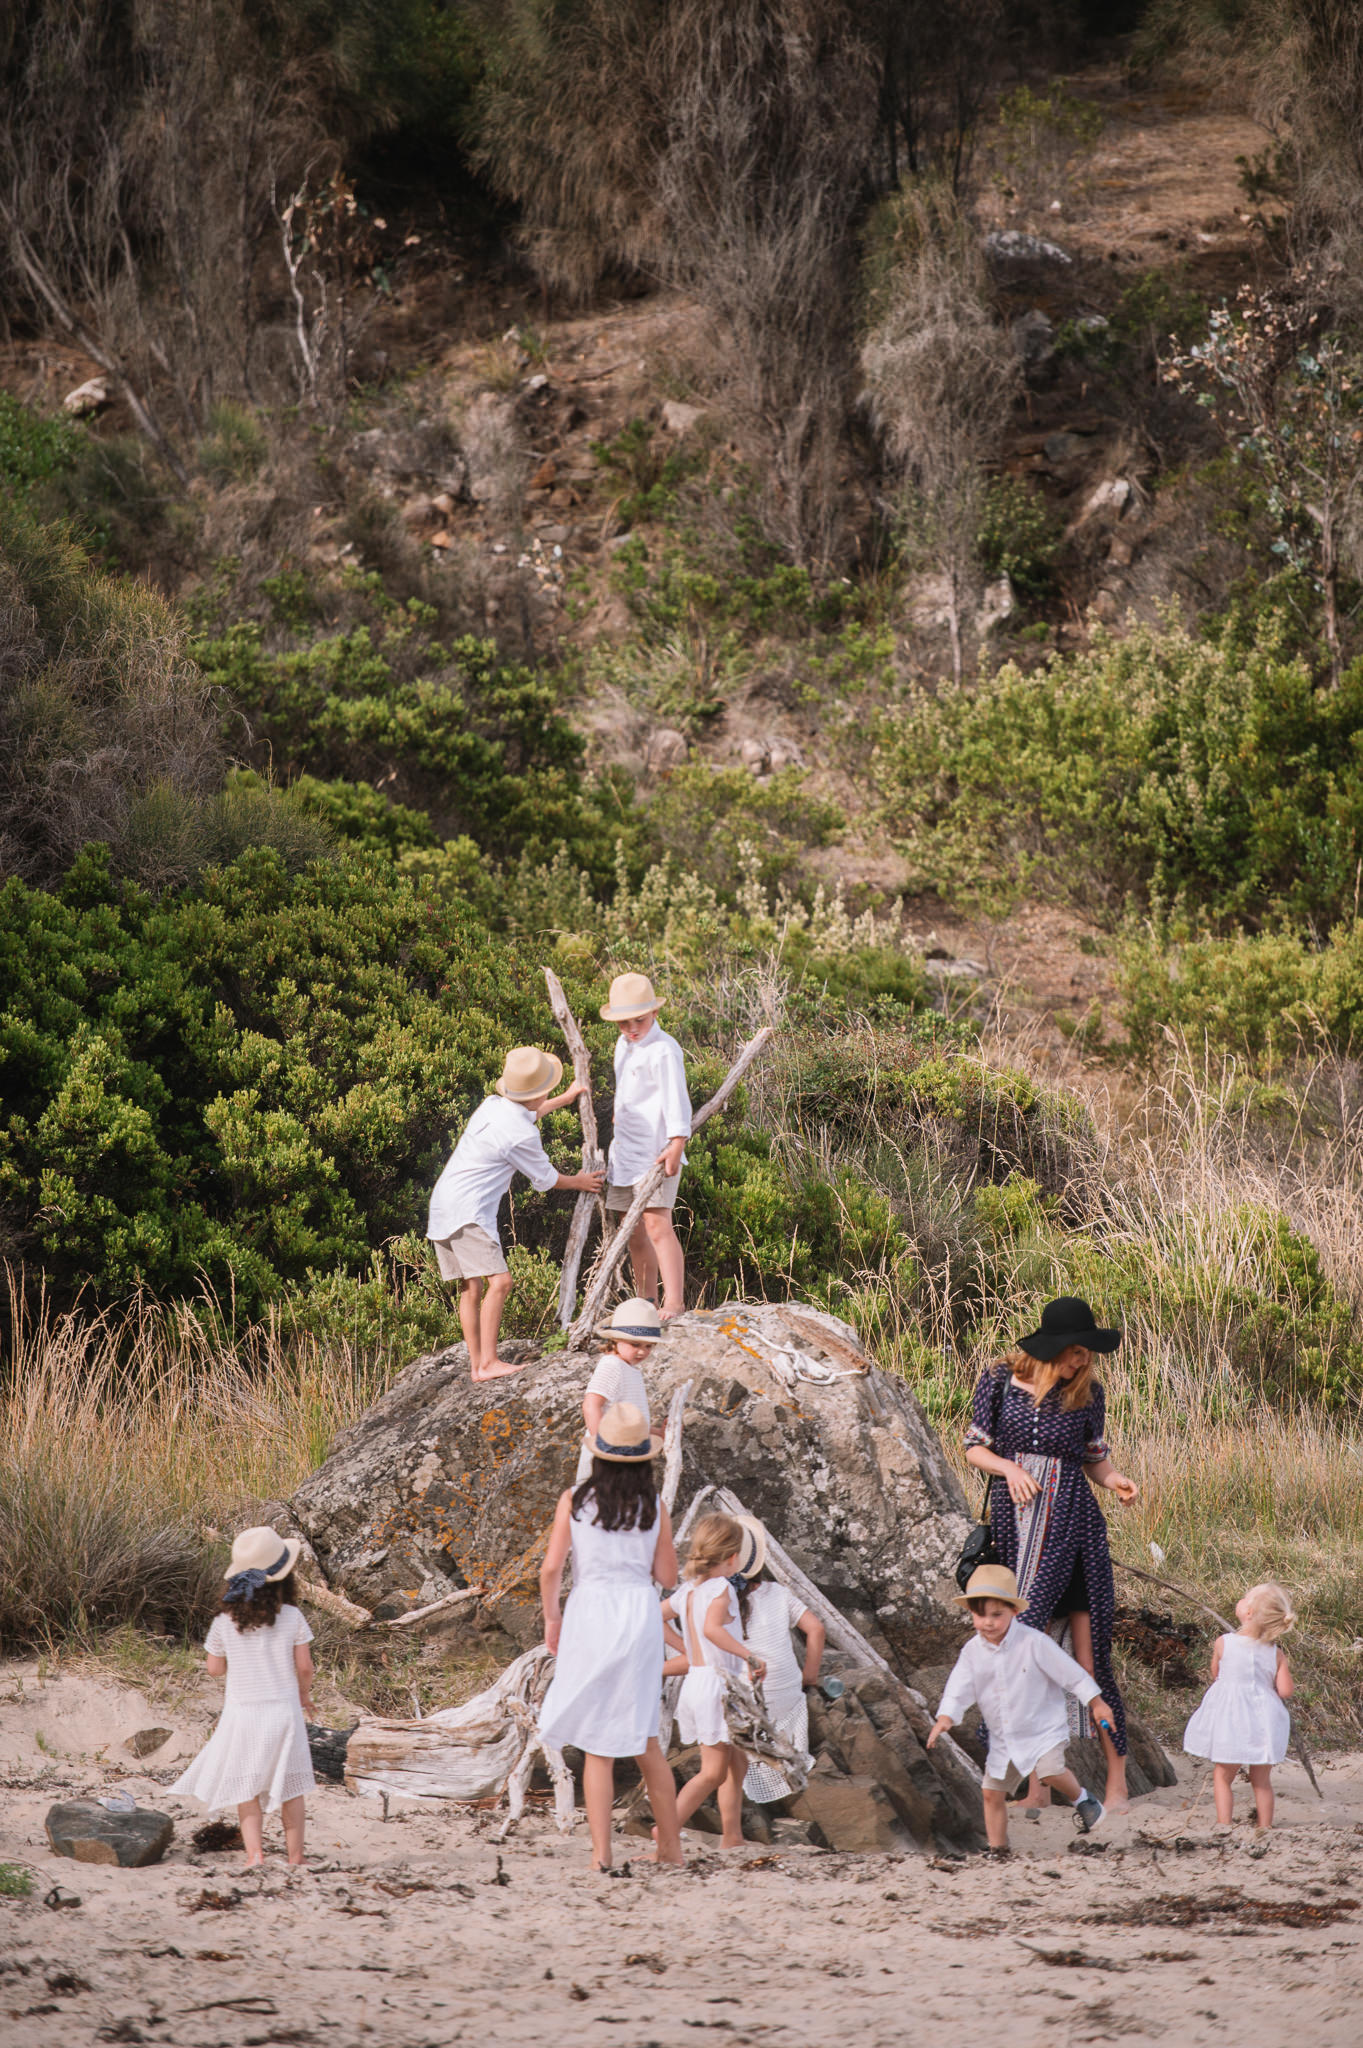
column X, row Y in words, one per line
column 497, row 1370
column 667, row 1314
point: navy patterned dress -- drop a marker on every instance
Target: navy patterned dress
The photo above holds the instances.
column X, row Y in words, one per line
column 1057, row 1545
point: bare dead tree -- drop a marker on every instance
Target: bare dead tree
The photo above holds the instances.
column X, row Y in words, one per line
column 940, row 379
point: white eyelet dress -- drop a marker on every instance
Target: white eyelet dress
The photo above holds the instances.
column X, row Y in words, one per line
column 1241, row 1719
column 700, row 1704
column 606, row 1693
column 259, row 1749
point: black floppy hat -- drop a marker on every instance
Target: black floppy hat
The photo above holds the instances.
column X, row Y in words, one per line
column 1064, row 1322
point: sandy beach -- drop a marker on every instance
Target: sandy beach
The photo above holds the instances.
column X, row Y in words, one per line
column 418, row 1931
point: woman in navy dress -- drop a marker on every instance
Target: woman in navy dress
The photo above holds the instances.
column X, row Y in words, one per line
column 1038, row 1422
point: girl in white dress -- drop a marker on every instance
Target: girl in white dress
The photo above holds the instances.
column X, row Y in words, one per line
column 259, row 1749
column 605, row 1696
column 1242, row 1723
column 769, row 1612
column 706, row 1607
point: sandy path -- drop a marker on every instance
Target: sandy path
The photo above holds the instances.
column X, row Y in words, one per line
column 403, row 1935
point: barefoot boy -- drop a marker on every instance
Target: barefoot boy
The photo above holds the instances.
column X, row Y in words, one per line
column 632, row 1332
column 499, row 1141
column 652, row 1122
column 1018, row 1678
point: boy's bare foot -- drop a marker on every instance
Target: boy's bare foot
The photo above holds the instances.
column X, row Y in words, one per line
column 255, row 1863
column 497, row 1370
column 669, row 1315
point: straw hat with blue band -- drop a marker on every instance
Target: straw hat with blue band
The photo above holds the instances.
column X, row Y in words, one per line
column 258, row 1560
column 624, row 1437
column 636, row 1320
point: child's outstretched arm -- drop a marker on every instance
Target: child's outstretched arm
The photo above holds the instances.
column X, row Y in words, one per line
column 664, row 1550
column 303, row 1665
column 938, row 1729
column 570, row 1094
column 716, row 1633
column 816, row 1636
column 1282, row 1678
column 551, row 1571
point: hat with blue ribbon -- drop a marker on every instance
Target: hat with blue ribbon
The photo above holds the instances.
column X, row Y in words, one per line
column 637, row 1321
column 624, row 1437
column 260, row 1557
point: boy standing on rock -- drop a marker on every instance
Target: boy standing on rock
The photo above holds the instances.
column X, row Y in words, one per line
column 652, row 1122
column 500, row 1140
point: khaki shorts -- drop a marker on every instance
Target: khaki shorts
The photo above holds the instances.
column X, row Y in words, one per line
column 468, row 1254
column 619, row 1199
column 1048, row 1766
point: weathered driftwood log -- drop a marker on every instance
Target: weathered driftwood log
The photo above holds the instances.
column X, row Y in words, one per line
column 613, row 1250
column 477, row 1751
column 593, row 1158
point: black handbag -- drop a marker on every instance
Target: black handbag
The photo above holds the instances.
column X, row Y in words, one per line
column 979, row 1546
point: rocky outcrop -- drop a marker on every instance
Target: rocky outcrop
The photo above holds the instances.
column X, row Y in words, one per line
column 445, row 1483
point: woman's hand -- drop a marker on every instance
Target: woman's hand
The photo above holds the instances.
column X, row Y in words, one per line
column 1124, row 1488
column 553, row 1629
column 1021, row 1485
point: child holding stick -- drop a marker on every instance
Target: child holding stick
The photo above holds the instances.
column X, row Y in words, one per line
column 1243, row 1723
column 652, row 1121
column 605, row 1695
column 706, row 1606
column 259, row 1749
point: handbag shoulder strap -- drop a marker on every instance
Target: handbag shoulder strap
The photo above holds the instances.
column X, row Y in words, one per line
column 996, row 1410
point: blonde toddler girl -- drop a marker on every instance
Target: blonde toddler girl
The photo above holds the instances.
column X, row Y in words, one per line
column 1242, row 1723
column 706, row 1607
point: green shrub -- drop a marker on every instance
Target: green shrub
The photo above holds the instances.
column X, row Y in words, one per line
column 1019, row 539
column 33, row 448
column 235, row 445
column 1208, row 776
column 1266, row 997
column 706, row 817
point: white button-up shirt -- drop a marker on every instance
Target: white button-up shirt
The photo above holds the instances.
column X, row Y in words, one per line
column 1019, row 1687
column 651, row 1103
column 501, row 1139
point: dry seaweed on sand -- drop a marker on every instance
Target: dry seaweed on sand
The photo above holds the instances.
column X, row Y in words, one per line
column 217, row 1835
column 1186, row 1909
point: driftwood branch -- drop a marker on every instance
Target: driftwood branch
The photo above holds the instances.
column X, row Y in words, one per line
column 587, row 1205
column 1136, row 1571
column 360, row 1617
column 434, row 1607
column 603, row 1277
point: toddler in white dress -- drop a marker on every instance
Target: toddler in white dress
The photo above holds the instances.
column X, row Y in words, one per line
column 605, row 1696
column 706, row 1608
column 769, row 1612
column 259, row 1749
column 1242, row 1723
column 633, row 1331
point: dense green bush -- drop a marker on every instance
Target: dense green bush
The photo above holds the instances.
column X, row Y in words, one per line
column 251, row 1083
column 1208, row 776
column 1268, row 996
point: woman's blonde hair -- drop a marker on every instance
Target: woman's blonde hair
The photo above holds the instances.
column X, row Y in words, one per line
column 1272, row 1607
column 1040, row 1375
column 714, row 1540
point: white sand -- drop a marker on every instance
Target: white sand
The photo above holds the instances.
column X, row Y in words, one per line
column 793, row 1947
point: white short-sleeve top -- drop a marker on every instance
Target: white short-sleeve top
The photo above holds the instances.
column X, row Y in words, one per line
column 260, row 1666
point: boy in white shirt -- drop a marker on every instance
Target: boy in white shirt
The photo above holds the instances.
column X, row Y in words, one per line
column 499, row 1141
column 1017, row 1677
column 633, row 1330
column 652, row 1121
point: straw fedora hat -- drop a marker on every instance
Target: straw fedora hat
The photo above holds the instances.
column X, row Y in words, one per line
column 637, row 1320
column 992, row 1582
column 528, row 1072
column 624, row 1437
column 262, row 1550
column 752, row 1554
column 631, row 996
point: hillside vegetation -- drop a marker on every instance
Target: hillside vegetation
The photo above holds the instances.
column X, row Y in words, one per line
column 724, row 490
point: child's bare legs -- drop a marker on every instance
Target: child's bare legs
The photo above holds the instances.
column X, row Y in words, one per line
column 655, row 1253
column 1261, row 1778
column 714, row 1768
column 252, row 1824
column 1223, row 1794
column 598, row 1796
column 730, row 1800
column 1115, row 1797
column 996, row 1816
column 481, row 1303
column 293, row 1814
column 662, row 1797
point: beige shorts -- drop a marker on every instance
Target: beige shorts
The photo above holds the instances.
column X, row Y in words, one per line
column 1048, row 1766
column 619, row 1199
column 468, row 1254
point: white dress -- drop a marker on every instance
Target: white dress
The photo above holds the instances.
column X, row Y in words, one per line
column 700, row 1704
column 1241, row 1719
column 259, row 1749
column 772, row 1613
column 606, row 1693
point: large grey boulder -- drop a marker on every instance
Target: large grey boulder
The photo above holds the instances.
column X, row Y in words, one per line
column 89, row 1833
column 444, row 1483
